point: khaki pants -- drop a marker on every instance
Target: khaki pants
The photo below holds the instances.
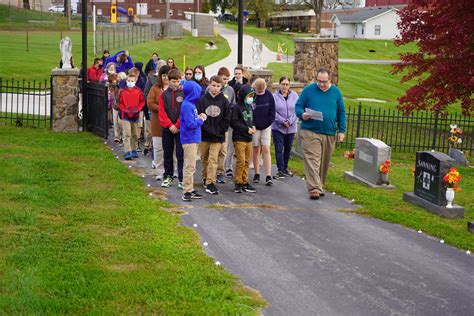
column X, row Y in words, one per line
column 147, row 134
column 224, row 152
column 117, row 125
column 190, row 155
column 130, row 140
column 209, row 156
column 158, row 155
column 317, row 150
column 243, row 151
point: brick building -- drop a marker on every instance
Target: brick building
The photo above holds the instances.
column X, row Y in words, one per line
column 147, row 8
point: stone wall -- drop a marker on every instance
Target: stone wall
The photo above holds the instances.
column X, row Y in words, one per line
column 65, row 90
column 263, row 73
column 312, row 54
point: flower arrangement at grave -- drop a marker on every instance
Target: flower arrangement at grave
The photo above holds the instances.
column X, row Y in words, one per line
column 385, row 167
column 452, row 179
column 455, row 135
column 349, row 154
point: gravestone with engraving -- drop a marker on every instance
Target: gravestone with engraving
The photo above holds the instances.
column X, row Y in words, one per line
column 369, row 155
column 430, row 190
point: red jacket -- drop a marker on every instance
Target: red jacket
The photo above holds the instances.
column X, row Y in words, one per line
column 93, row 74
column 169, row 106
column 131, row 103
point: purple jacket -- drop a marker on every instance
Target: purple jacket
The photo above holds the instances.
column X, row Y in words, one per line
column 285, row 110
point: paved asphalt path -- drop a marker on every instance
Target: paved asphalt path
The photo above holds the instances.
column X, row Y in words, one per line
column 310, row 258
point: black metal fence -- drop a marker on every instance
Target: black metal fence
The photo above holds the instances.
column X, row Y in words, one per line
column 418, row 131
column 25, row 103
column 125, row 35
column 94, row 114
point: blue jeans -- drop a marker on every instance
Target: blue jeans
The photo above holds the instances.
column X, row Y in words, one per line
column 283, row 144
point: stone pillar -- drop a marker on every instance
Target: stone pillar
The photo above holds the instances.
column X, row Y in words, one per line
column 65, row 103
column 263, row 73
column 312, row 53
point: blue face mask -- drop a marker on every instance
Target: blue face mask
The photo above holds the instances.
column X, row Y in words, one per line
column 198, row 77
column 130, row 84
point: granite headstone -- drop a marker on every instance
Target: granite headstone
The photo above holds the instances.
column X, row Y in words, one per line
column 430, row 190
column 369, row 155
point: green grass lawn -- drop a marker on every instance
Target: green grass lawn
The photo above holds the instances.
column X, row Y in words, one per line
column 44, row 54
column 388, row 205
column 348, row 48
column 15, row 18
column 81, row 235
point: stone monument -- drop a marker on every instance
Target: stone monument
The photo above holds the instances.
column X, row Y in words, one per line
column 429, row 188
column 312, row 53
column 65, row 92
column 369, row 155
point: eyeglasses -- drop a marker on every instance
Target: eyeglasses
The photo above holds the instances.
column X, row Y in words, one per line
column 322, row 82
column 285, row 84
column 189, row 74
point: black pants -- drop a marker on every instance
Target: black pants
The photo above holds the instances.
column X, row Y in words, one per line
column 283, row 144
column 170, row 143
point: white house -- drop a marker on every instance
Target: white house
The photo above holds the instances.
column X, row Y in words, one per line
column 367, row 23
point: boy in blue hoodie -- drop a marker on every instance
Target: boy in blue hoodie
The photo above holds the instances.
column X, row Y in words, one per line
column 190, row 136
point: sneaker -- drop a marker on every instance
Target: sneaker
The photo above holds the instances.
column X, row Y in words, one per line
column 268, row 180
column 248, row 188
column 321, row 193
column 287, row 173
column 146, row 151
column 314, row 195
column 158, row 178
column 229, row 173
column 116, row 141
column 220, row 178
column 211, row 189
column 153, row 165
column 180, row 185
column 256, row 178
column 134, row 154
column 238, row 188
column 279, row 175
column 128, row 155
column 139, row 150
column 195, row 195
column 167, row 182
column 186, row 197
column 204, row 183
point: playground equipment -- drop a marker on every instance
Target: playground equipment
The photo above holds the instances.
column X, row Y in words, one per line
column 114, row 10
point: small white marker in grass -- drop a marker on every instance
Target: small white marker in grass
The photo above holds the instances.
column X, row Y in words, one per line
column 148, row 185
column 105, row 143
column 151, row 194
column 205, row 244
column 195, row 225
column 302, row 179
column 143, row 176
column 129, row 166
column 217, row 263
column 353, row 200
column 334, row 193
column 442, row 241
column 112, row 149
column 116, row 157
column 468, row 252
column 419, row 232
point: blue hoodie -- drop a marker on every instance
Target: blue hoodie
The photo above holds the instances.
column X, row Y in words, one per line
column 190, row 122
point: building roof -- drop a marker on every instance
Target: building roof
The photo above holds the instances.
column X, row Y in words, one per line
column 362, row 15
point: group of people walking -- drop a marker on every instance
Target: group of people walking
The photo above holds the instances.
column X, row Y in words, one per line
column 226, row 123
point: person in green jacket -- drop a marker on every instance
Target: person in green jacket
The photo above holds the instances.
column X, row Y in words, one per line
column 321, row 107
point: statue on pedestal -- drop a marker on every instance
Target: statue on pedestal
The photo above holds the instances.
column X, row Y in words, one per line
column 256, row 54
column 66, row 52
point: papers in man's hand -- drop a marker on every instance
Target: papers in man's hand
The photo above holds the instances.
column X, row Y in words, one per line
column 315, row 115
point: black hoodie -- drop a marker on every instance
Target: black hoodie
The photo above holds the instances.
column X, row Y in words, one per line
column 218, row 113
column 242, row 117
column 237, row 86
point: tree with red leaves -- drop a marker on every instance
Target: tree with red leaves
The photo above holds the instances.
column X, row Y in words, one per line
column 444, row 64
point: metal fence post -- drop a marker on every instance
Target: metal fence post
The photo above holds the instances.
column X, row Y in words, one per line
column 51, row 102
column 435, row 130
column 359, row 111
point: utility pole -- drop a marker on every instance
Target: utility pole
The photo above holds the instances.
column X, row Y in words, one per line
column 240, row 33
column 167, row 11
column 84, row 60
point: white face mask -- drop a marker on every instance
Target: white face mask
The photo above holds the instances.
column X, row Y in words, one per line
column 248, row 101
column 130, row 84
column 198, row 77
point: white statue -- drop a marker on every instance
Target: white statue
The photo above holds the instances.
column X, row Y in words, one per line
column 256, row 53
column 66, row 52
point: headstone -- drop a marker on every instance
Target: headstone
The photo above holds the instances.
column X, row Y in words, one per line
column 459, row 157
column 430, row 190
column 470, row 227
column 369, row 155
